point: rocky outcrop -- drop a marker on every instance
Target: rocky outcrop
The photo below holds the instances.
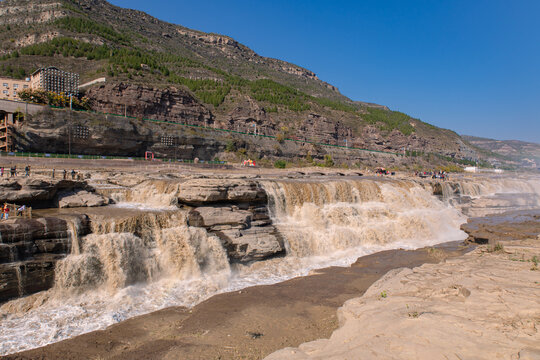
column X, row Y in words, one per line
column 81, row 198
column 171, row 104
column 30, row 248
column 512, row 225
column 237, row 213
column 320, row 127
column 49, row 193
column 216, row 218
column 256, row 243
column 35, row 192
column 203, row 191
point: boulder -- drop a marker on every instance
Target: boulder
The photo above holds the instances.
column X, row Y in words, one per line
column 251, row 244
column 204, row 191
column 216, row 216
column 81, row 198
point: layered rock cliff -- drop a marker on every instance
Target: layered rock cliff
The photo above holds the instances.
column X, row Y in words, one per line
column 167, row 72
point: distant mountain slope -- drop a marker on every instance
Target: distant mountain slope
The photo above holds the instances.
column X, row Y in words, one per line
column 239, row 88
column 526, row 153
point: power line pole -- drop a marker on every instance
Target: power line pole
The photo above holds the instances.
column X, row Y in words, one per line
column 69, row 123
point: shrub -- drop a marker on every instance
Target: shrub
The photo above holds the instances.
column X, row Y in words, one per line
column 43, row 97
column 280, row 164
column 328, row 162
column 389, row 120
column 231, row 146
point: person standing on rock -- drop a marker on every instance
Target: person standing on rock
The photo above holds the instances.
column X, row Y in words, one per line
column 5, row 211
column 27, row 171
column 13, row 171
column 53, row 173
column 65, row 174
column 21, row 210
column 2, row 171
column 73, row 174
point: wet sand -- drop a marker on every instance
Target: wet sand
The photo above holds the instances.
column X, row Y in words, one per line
column 247, row 324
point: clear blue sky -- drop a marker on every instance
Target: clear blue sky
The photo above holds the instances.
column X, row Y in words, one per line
column 470, row 66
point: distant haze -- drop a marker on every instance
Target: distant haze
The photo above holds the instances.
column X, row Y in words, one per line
column 467, row 66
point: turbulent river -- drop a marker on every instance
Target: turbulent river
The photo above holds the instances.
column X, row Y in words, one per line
column 152, row 259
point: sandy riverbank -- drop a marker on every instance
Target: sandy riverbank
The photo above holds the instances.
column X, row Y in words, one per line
column 483, row 305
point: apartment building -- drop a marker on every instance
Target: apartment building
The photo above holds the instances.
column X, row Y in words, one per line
column 47, row 78
column 10, row 87
column 55, row 80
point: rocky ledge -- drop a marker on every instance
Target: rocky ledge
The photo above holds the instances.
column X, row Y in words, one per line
column 236, row 211
column 511, row 225
column 30, row 248
column 49, row 193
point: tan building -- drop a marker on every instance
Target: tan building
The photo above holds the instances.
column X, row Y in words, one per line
column 55, row 80
column 48, row 78
column 10, row 87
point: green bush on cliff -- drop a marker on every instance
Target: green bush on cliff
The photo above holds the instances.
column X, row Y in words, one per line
column 280, row 164
column 278, row 94
column 13, row 72
column 207, row 90
column 86, row 26
column 388, row 120
column 328, row 161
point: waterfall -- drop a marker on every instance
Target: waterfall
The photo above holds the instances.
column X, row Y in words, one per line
column 483, row 196
column 142, row 256
column 73, row 226
column 319, row 218
column 137, row 249
column 151, row 193
column 20, row 285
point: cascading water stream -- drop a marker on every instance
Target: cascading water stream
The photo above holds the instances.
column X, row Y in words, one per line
column 321, row 218
column 148, row 258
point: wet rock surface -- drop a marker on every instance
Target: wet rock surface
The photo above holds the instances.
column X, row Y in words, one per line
column 30, row 248
column 204, row 191
column 81, row 198
column 237, row 213
column 512, row 225
column 36, row 192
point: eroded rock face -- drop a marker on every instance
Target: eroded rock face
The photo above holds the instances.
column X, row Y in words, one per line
column 81, row 198
column 236, row 211
column 30, row 248
column 256, row 243
column 171, row 104
column 511, row 225
column 212, row 216
column 34, row 192
column 201, row 191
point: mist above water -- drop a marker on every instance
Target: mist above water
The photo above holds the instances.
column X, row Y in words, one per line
column 146, row 260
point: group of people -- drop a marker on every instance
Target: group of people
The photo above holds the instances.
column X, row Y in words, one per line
column 443, row 175
column 4, row 214
column 65, row 174
column 13, row 171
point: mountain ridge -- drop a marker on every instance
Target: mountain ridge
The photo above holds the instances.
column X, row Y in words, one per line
column 238, row 86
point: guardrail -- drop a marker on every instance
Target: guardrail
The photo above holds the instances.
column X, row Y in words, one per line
column 230, row 131
column 106, row 157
